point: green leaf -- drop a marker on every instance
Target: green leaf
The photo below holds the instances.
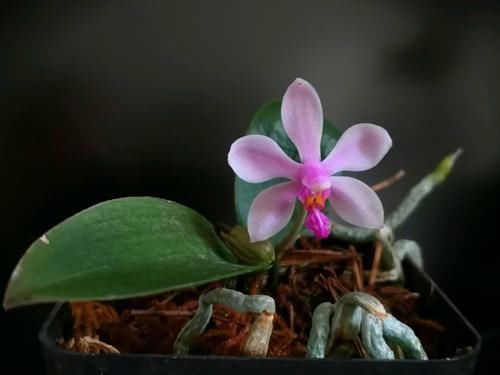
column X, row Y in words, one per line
column 267, row 121
column 122, row 248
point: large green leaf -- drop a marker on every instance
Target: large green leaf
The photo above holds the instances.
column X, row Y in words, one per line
column 122, row 248
column 267, row 121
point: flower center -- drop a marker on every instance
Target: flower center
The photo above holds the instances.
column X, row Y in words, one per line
column 315, row 191
column 315, row 177
column 314, row 201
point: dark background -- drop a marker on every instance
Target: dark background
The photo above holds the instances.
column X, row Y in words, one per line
column 107, row 99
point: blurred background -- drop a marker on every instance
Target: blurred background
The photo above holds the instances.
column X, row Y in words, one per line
column 100, row 100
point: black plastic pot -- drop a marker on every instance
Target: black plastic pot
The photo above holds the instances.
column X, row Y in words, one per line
column 459, row 334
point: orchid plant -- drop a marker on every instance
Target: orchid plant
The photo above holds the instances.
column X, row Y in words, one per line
column 289, row 170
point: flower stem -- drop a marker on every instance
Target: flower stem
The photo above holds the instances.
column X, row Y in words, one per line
column 291, row 237
column 288, row 241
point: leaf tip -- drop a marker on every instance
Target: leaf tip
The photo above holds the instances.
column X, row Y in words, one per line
column 8, row 302
column 445, row 166
column 12, row 298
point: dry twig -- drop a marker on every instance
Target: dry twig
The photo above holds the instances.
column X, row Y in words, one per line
column 379, row 247
column 389, row 181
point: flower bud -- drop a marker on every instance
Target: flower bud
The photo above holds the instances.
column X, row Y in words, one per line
column 238, row 241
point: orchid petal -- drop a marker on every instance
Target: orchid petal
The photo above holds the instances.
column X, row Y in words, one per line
column 271, row 210
column 257, row 158
column 361, row 147
column 356, row 203
column 302, row 117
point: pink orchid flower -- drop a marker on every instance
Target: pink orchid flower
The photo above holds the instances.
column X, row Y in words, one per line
column 257, row 158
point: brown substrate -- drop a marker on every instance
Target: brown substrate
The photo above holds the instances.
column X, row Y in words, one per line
column 314, row 274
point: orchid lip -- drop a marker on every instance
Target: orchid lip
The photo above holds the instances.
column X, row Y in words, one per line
column 318, row 223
